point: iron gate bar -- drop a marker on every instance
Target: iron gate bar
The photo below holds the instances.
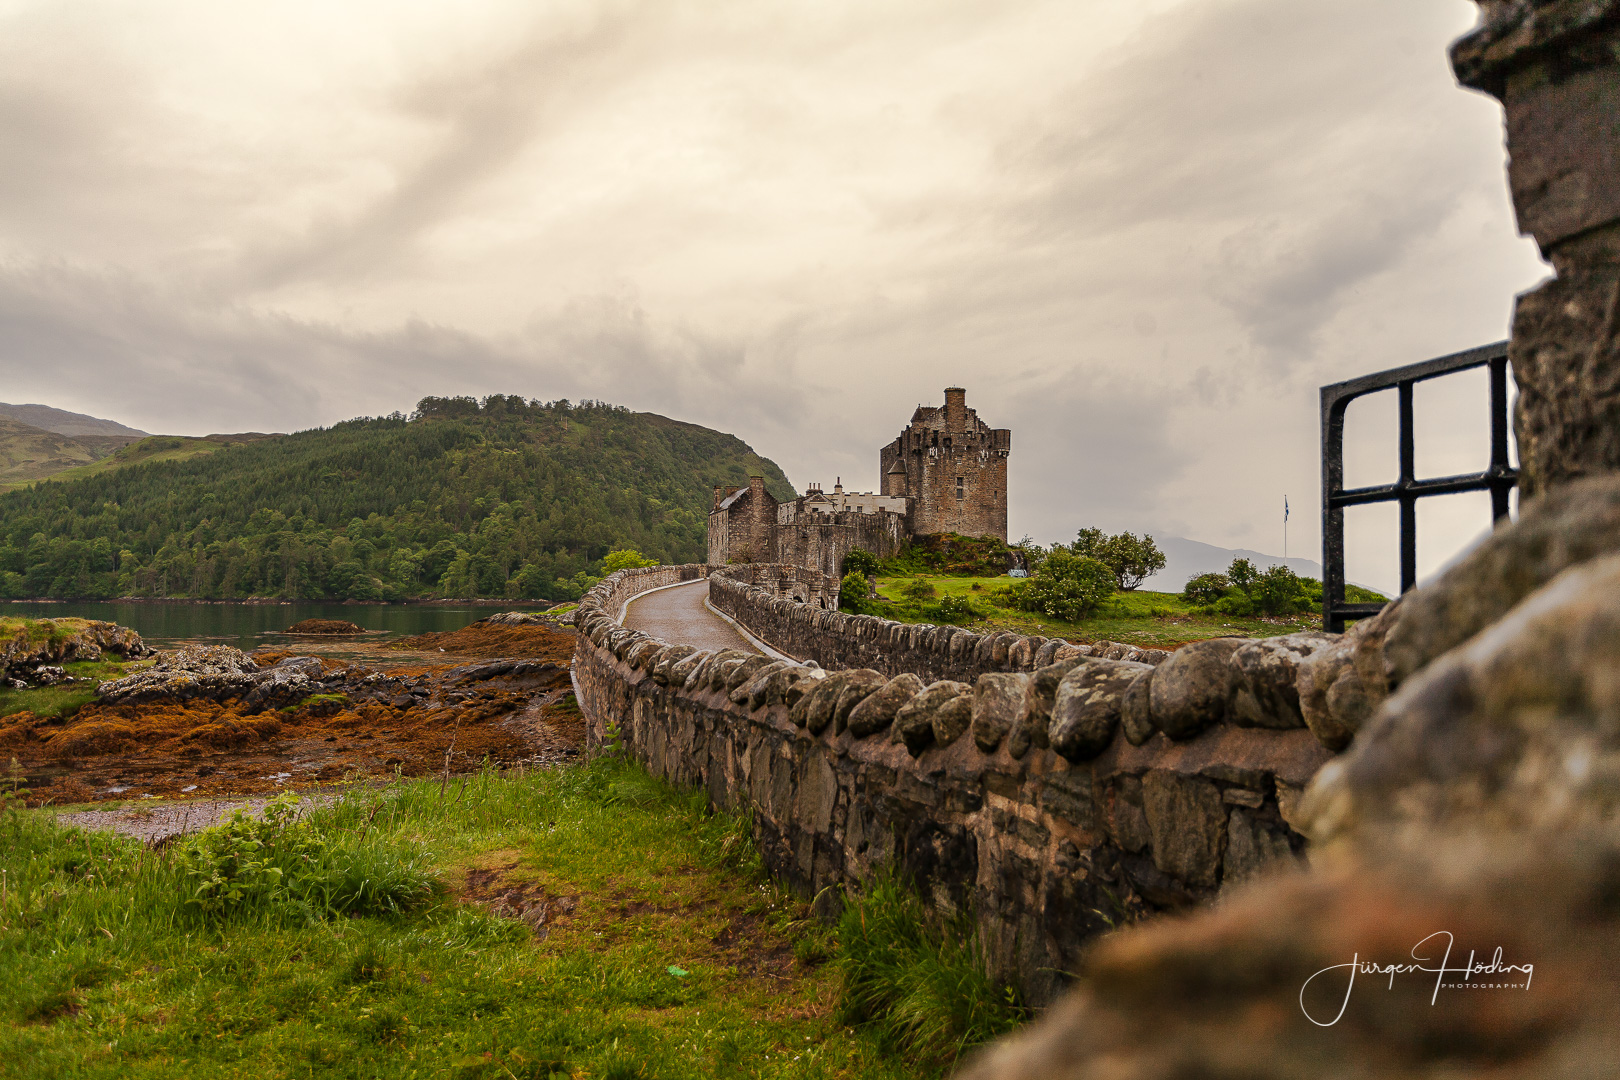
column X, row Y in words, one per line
column 1498, row 478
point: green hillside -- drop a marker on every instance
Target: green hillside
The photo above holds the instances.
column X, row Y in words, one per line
column 505, row 497
column 28, row 453
column 127, row 452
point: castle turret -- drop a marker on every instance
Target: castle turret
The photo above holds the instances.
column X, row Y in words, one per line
column 953, row 468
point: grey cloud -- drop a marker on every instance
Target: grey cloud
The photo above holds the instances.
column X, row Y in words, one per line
column 1132, row 267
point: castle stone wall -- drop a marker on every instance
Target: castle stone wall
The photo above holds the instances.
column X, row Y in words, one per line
column 954, row 468
column 977, row 792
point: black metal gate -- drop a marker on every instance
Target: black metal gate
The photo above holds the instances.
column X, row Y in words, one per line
column 1498, row 478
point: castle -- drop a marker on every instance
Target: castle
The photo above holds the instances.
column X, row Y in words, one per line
column 946, row 472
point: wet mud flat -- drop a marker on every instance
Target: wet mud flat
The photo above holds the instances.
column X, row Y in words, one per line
column 499, row 695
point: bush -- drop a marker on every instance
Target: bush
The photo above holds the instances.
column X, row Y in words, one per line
column 953, row 609
column 852, row 592
column 1068, row 586
column 859, row 561
column 1132, row 559
column 1249, row 590
column 1206, row 588
column 1235, row 602
column 918, row 589
column 1278, row 591
column 281, row 863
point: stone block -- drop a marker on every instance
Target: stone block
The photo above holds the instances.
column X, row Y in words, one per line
column 860, row 685
column 1086, row 709
column 753, row 684
column 814, row 711
column 1252, row 846
column 818, row 792
column 952, row 718
column 663, row 672
column 914, row 722
column 1136, row 712
column 746, row 670
column 1187, row 821
column 998, row 706
column 1190, row 690
column 1067, row 795
column 877, row 712
column 1265, row 693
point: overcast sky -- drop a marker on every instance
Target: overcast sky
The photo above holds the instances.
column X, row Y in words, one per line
column 1140, row 232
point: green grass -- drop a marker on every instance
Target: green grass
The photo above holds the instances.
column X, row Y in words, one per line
column 51, row 702
column 916, row 979
column 678, row 959
column 1148, row 619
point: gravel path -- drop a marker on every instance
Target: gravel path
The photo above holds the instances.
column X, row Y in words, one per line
column 152, row 824
column 677, row 615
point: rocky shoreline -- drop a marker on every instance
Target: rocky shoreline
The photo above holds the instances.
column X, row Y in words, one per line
column 217, row 721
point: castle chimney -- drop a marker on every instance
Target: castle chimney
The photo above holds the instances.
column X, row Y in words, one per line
column 719, row 495
column 838, row 485
column 756, row 488
column 955, row 409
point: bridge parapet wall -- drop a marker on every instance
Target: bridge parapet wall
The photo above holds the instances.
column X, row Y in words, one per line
column 762, row 598
column 1016, row 795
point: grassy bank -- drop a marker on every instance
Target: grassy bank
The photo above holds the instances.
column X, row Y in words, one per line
column 67, row 698
column 582, row 922
column 1148, row 619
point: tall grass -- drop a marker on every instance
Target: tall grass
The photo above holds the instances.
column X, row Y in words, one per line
column 916, row 977
column 357, row 959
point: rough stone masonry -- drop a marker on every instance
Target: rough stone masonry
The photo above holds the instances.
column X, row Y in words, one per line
column 1052, row 788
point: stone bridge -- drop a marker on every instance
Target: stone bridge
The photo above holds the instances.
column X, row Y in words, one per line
column 1052, row 788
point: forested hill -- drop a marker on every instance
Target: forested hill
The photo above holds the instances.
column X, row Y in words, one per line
column 503, row 497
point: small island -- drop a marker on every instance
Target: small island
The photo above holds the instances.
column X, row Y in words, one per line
column 325, row 626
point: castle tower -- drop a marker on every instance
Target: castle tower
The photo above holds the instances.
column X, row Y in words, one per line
column 954, row 468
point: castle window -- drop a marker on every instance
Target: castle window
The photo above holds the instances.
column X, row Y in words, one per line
column 959, row 482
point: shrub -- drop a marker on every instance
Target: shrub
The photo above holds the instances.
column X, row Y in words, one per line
column 1278, row 591
column 1206, row 588
column 282, row 863
column 1068, row 586
column 1235, row 602
column 1131, row 558
column 860, row 561
column 918, row 589
column 953, row 609
column 852, row 592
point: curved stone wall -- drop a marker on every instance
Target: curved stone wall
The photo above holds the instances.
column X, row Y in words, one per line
column 763, row 599
column 1036, row 798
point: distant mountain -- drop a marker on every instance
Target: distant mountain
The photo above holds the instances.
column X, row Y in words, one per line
column 31, row 453
column 499, row 498
column 1184, row 559
column 68, row 423
column 37, row 441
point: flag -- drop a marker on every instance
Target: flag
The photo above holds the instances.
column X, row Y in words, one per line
column 1285, row 508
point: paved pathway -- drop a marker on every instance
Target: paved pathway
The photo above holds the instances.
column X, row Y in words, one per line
column 677, row 615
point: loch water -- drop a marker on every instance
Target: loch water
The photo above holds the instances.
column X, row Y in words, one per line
column 246, row 626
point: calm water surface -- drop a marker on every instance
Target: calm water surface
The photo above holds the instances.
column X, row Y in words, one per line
column 249, row 625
